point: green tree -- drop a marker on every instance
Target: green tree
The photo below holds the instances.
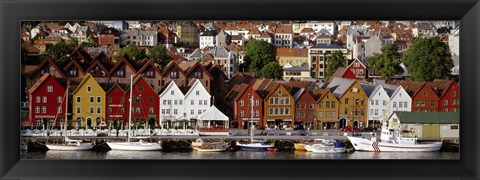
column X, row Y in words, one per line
column 158, row 54
column 271, row 70
column 388, row 62
column 132, row 51
column 428, row 59
column 90, row 42
column 258, row 53
column 60, row 50
column 334, row 61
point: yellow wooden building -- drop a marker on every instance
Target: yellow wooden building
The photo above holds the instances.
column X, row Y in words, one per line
column 326, row 109
column 279, row 106
column 353, row 102
column 88, row 103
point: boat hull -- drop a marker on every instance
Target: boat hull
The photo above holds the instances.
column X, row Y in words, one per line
column 61, row 147
column 329, row 151
column 361, row 144
column 254, row 146
column 134, row 146
column 299, row 146
column 209, row 150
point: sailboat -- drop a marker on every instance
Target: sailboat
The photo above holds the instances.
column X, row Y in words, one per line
column 133, row 146
column 253, row 144
column 69, row 144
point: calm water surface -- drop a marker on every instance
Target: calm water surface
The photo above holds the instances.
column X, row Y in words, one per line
column 156, row 155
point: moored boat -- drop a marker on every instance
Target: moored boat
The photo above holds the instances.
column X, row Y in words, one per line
column 201, row 146
column 327, row 147
column 299, row 146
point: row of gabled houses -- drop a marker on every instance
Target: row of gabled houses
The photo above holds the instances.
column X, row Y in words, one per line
column 94, row 104
column 332, row 105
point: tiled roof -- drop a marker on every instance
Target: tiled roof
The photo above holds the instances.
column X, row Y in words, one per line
column 341, row 85
column 284, row 29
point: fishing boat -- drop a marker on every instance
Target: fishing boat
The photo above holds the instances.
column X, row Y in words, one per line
column 300, row 146
column 68, row 144
column 253, row 144
column 393, row 139
column 201, row 146
column 134, row 146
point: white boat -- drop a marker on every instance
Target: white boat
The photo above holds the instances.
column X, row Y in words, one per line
column 393, row 140
column 326, row 147
column 253, row 144
column 201, row 146
column 133, row 146
column 68, row 144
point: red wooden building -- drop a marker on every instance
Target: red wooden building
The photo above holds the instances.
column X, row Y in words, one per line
column 343, row 73
column 145, row 107
column 243, row 107
column 46, row 99
column 304, row 109
column 449, row 93
column 423, row 97
column 116, row 105
column 357, row 68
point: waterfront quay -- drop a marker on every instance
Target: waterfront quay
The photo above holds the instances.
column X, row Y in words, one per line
column 283, row 139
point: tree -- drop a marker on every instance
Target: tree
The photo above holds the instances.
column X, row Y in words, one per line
column 158, row 54
column 387, row 63
column 132, row 51
column 89, row 43
column 428, row 59
column 334, row 61
column 60, row 50
column 271, row 70
column 258, row 53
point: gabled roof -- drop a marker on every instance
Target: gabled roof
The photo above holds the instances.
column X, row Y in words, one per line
column 440, row 86
column 122, row 87
column 170, row 65
column 172, row 84
column 74, row 63
column 84, row 80
column 299, row 93
column 356, row 60
column 341, row 85
column 412, row 88
column 49, row 61
column 428, row 117
column 195, row 65
column 197, row 83
column 40, row 81
column 99, row 64
column 137, row 79
column 120, row 61
column 149, row 64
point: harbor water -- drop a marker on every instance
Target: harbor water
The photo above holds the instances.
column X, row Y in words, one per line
column 190, row 154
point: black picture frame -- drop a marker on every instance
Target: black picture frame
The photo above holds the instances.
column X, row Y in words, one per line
column 13, row 11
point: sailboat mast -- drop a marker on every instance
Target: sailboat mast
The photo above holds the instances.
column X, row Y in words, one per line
column 130, row 108
column 251, row 119
column 66, row 113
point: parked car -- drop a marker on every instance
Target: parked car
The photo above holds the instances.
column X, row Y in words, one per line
column 349, row 129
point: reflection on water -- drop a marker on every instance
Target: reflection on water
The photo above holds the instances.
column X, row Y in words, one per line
column 283, row 155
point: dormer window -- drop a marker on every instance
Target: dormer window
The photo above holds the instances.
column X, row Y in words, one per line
column 197, row 74
column 150, row 73
column 42, row 71
column 173, row 74
column 49, row 88
column 73, row 73
column 120, row 73
column 279, row 92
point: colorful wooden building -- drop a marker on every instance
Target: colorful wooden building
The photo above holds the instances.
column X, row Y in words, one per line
column 449, row 93
column 47, row 105
column 304, row 109
column 117, row 109
column 145, row 106
column 88, row 103
column 278, row 106
column 423, row 97
column 327, row 109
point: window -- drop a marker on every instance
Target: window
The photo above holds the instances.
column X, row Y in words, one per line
column 279, row 92
column 372, row 102
column 256, row 113
column 37, row 109
column 205, row 102
column 99, row 99
column 271, row 100
column 199, row 111
column 432, row 103
column 445, row 109
column 44, row 99
column 405, row 104
column 320, row 104
column 192, row 102
column 137, row 110
column 59, row 99
column 312, row 106
column 320, row 114
column 197, row 93
column 92, row 99
column 164, row 102
column 241, row 102
column 327, row 104
column 346, row 111
column 346, row 100
column 200, row 102
column 333, row 104
column 59, row 109
column 49, row 88
column 91, row 110
column 38, row 99
column 394, row 104
column 257, row 102
column 287, row 101
column 271, row 111
column 287, row 111
column 151, row 100
column 376, row 111
column 89, row 88
column 169, row 102
column 454, row 93
column 400, row 104
column 445, row 102
column 333, row 114
column 172, row 92
column 276, row 100
column 79, row 110
column 175, row 111
column 241, row 113
column 122, row 100
column 180, row 102
column 425, row 93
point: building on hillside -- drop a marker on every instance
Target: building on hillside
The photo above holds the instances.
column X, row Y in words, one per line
column 318, row 56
